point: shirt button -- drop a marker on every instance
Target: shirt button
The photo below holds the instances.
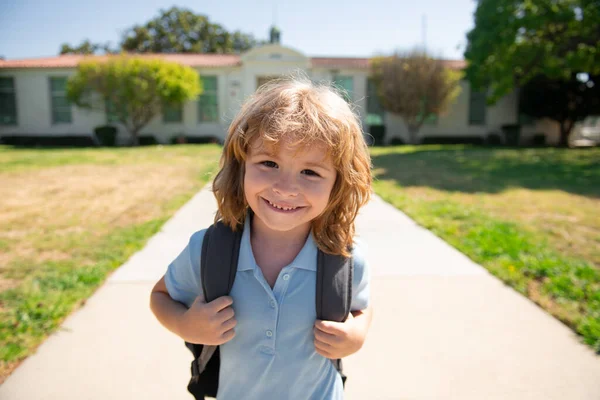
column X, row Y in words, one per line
column 286, row 277
column 272, row 304
column 269, row 333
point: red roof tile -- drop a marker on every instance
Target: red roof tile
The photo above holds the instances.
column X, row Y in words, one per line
column 195, row 60
column 71, row 60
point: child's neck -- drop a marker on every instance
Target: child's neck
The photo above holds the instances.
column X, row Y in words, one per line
column 278, row 240
column 273, row 250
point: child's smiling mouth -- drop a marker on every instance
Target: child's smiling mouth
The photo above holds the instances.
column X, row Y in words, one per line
column 282, row 208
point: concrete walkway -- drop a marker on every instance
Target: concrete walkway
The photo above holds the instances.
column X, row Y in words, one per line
column 443, row 329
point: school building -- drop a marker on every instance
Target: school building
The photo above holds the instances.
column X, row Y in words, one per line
column 33, row 100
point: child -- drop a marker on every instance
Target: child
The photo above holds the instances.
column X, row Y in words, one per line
column 294, row 172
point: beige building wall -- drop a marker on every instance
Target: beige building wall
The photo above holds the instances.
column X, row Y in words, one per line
column 235, row 84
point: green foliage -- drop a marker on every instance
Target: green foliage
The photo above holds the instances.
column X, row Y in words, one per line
column 86, row 47
column 515, row 40
column 564, row 101
column 179, row 30
column 137, row 87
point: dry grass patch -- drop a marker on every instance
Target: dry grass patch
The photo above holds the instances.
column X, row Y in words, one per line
column 68, row 217
column 38, row 208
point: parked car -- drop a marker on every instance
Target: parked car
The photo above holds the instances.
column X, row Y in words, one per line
column 586, row 132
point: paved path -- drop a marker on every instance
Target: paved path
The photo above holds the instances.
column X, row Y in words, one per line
column 443, row 329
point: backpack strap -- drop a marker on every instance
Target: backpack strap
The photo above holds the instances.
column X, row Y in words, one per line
column 334, row 292
column 222, row 247
column 218, row 266
column 334, row 286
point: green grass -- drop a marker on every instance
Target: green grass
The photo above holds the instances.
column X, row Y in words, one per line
column 461, row 193
column 53, row 289
column 40, row 289
column 20, row 159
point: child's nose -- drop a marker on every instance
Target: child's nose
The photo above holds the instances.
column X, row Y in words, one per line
column 286, row 186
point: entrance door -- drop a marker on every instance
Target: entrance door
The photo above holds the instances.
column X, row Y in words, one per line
column 261, row 80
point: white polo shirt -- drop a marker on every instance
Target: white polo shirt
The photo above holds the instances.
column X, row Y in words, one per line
column 272, row 355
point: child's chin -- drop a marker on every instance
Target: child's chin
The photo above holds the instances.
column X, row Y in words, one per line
column 278, row 225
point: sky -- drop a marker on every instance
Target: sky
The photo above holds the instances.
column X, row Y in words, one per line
column 317, row 28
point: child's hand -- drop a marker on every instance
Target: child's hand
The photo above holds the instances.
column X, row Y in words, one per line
column 208, row 323
column 338, row 339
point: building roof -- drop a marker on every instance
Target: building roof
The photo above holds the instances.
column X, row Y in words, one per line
column 71, row 60
column 195, row 60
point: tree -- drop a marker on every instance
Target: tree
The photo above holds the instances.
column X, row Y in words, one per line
column 86, row 47
column 181, row 31
column 564, row 101
column 516, row 40
column 174, row 31
column 414, row 86
column 138, row 88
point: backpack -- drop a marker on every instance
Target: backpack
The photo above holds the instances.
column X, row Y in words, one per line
column 219, row 258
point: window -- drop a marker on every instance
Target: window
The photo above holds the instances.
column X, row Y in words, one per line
column 111, row 112
column 61, row 107
column 477, row 108
column 208, row 110
column 8, row 101
column 172, row 113
column 346, row 84
column 375, row 111
column 261, row 80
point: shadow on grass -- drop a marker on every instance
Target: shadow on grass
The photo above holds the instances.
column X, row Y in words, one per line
column 491, row 170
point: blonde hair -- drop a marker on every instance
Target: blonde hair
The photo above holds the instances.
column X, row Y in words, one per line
column 302, row 113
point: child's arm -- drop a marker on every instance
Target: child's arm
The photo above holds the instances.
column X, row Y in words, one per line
column 202, row 323
column 340, row 339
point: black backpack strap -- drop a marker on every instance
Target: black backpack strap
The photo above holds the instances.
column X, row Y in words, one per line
column 334, row 287
column 334, row 292
column 221, row 246
column 218, row 266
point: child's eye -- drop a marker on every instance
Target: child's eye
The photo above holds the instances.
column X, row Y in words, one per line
column 270, row 164
column 310, row 172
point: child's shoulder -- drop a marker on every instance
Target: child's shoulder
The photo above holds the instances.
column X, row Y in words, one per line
column 361, row 276
column 194, row 246
column 359, row 253
column 197, row 237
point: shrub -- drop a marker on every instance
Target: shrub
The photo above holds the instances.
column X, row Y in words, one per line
column 512, row 133
column 493, row 139
column 396, row 141
column 539, row 139
column 107, row 135
column 378, row 133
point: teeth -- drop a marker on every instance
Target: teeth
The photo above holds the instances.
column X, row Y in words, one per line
column 282, row 208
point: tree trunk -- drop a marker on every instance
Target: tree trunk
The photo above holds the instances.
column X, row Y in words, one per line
column 412, row 134
column 135, row 140
column 565, row 130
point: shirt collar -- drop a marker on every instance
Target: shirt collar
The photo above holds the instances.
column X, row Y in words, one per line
column 306, row 258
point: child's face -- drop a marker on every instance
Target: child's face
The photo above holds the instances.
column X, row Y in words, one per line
column 289, row 188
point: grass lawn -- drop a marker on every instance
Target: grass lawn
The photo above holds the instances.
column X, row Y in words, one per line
column 68, row 217
column 530, row 216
